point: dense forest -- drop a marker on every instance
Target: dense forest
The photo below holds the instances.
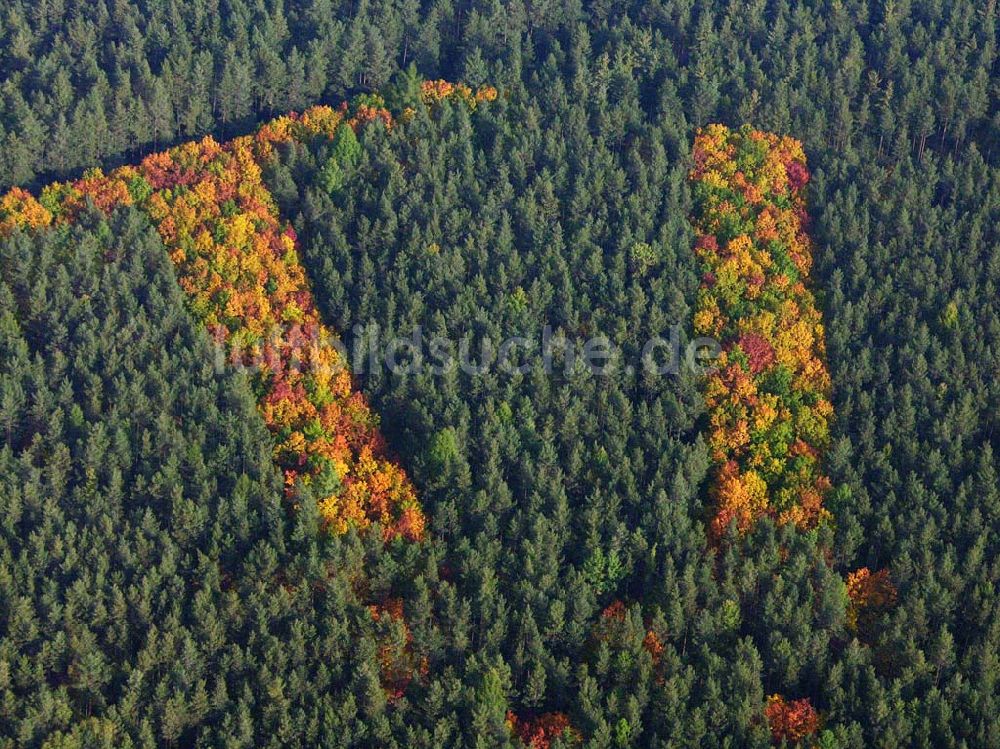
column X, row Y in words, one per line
column 799, row 548
column 86, row 81
column 153, row 585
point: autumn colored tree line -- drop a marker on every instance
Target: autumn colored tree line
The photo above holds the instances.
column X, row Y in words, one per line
column 238, row 263
column 769, row 398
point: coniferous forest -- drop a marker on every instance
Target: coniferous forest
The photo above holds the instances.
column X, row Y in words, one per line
column 246, row 500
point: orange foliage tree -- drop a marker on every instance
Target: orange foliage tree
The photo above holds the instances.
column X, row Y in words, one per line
column 539, row 732
column 870, row 595
column 432, row 92
column 769, row 397
column 20, row 210
column 790, row 721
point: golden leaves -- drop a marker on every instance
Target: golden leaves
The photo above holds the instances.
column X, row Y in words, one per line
column 768, row 402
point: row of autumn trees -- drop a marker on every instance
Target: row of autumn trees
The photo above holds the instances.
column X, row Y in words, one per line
column 768, row 393
column 769, row 398
column 239, row 268
column 238, row 263
column 240, row 271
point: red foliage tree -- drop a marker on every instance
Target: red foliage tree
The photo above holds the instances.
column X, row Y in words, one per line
column 790, row 721
column 539, row 732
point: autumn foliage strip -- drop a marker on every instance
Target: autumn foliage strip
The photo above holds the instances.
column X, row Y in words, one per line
column 238, row 263
column 769, row 398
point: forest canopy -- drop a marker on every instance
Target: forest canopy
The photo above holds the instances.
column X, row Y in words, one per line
column 574, row 568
